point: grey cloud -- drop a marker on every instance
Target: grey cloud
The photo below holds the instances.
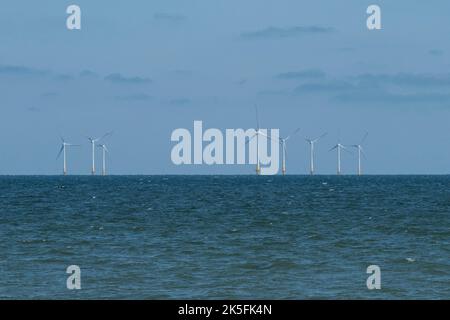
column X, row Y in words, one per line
column 272, row 92
column 406, row 79
column 324, row 87
column 414, row 89
column 179, row 101
column 21, row 71
column 63, row 77
column 304, row 74
column 388, row 97
column 33, row 109
column 276, row 32
column 436, row 52
column 48, row 95
column 88, row 73
column 134, row 97
column 117, row 78
column 169, row 17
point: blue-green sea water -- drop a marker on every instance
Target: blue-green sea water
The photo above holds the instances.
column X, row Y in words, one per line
column 225, row 237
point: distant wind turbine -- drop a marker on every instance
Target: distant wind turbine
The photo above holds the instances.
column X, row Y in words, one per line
column 63, row 151
column 283, row 150
column 104, row 151
column 360, row 151
column 258, row 132
column 338, row 147
column 93, row 141
column 312, row 142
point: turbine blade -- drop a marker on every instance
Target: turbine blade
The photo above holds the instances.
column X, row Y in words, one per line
column 257, row 117
column 323, row 135
column 106, row 135
column 346, row 150
column 271, row 138
column 250, row 139
column 60, row 151
column 333, row 148
column 364, row 138
column 363, row 153
column 293, row 133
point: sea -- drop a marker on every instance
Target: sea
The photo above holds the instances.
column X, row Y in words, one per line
column 225, row 237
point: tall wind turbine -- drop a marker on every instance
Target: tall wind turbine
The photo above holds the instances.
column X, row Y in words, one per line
column 360, row 151
column 93, row 141
column 339, row 147
column 63, row 151
column 104, row 151
column 257, row 133
column 283, row 150
column 312, row 142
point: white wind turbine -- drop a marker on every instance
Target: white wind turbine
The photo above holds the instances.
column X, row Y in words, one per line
column 338, row 147
column 258, row 132
column 93, row 141
column 283, row 150
column 312, row 142
column 360, row 151
column 63, row 151
column 104, row 151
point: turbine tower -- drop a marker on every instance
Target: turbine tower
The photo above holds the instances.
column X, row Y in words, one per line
column 283, row 150
column 104, row 151
column 360, row 151
column 312, row 142
column 258, row 168
column 93, row 141
column 338, row 147
column 63, row 151
column 258, row 132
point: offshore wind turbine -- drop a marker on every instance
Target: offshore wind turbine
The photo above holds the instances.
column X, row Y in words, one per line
column 63, row 151
column 93, row 141
column 257, row 133
column 360, row 151
column 104, row 151
column 283, row 150
column 338, row 147
column 312, row 142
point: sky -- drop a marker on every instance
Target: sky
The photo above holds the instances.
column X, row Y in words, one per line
column 145, row 68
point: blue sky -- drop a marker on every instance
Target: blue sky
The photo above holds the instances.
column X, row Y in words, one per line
column 146, row 68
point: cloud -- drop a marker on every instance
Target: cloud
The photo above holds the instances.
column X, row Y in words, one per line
column 88, row 73
column 305, row 74
column 63, row 77
column 389, row 97
column 49, row 95
column 401, row 88
column 21, row 71
column 117, row 78
column 436, row 52
column 324, row 87
column 406, row 79
column 33, row 109
column 134, row 97
column 277, row 33
column 179, row 101
column 272, row 92
column 169, row 17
